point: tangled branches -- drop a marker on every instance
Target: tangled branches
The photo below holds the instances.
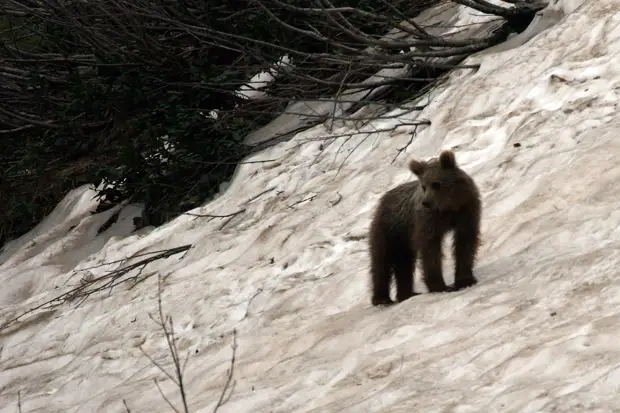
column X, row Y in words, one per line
column 89, row 285
column 120, row 91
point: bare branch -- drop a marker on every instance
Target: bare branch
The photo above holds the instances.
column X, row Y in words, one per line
column 95, row 285
column 221, row 401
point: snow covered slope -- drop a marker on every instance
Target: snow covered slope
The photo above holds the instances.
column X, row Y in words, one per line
column 539, row 333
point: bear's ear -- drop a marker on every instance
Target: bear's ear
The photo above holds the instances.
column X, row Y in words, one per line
column 447, row 160
column 417, row 167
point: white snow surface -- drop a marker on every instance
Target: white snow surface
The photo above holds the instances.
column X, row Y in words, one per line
column 539, row 333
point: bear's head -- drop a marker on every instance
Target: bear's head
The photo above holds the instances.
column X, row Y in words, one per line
column 445, row 186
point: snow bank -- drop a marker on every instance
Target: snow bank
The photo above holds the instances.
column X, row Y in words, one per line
column 536, row 126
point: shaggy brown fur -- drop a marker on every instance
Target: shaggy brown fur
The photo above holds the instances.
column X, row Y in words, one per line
column 413, row 219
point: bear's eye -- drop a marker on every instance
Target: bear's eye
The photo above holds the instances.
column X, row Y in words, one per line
column 435, row 186
column 424, row 188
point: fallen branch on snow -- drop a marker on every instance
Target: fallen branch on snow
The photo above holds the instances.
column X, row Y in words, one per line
column 90, row 286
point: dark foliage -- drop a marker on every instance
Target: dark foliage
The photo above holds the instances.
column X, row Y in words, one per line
column 120, row 91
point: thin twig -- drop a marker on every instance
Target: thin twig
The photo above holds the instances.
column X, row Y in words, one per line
column 159, row 366
column 221, row 401
column 247, row 308
column 177, row 378
column 404, row 148
column 164, row 396
column 310, row 198
column 214, row 216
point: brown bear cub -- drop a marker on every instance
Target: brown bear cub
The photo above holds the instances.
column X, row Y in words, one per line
column 413, row 218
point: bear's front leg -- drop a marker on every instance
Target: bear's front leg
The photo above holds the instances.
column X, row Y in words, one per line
column 466, row 241
column 381, row 276
column 404, row 266
column 431, row 265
